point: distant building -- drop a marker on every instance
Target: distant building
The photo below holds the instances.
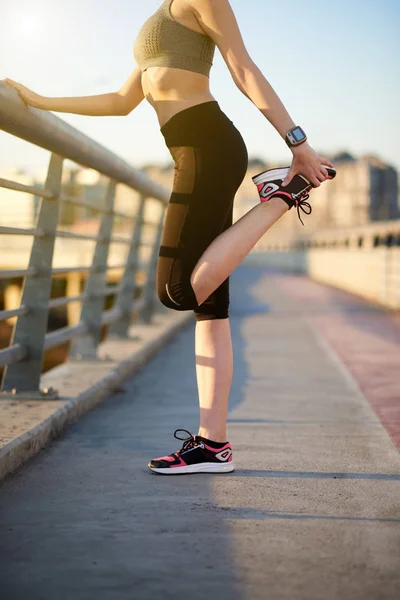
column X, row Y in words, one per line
column 364, row 190
column 384, row 193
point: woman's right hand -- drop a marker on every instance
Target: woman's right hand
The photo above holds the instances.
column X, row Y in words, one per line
column 28, row 96
column 308, row 163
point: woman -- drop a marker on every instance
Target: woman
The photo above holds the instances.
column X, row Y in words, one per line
column 200, row 247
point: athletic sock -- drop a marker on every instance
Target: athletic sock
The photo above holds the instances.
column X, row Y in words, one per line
column 211, row 442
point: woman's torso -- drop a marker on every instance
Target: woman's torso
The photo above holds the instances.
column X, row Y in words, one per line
column 170, row 90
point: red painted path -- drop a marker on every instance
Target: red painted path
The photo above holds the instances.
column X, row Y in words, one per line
column 365, row 337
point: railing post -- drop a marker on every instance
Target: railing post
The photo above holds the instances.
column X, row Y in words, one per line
column 124, row 299
column 150, row 287
column 93, row 305
column 30, row 329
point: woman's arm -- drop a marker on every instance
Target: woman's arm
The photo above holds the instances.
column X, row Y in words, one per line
column 121, row 102
column 217, row 19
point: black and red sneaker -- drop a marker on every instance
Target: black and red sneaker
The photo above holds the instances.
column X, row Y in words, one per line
column 197, row 455
column 269, row 185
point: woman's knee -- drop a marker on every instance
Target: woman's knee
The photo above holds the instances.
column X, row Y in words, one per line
column 216, row 306
column 177, row 295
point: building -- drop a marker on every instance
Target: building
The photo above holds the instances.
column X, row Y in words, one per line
column 364, row 190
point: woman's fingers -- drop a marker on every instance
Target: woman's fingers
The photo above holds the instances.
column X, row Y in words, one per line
column 313, row 178
column 16, row 86
column 289, row 177
column 321, row 175
column 11, row 83
column 326, row 162
column 21, row 90
column 324, row 173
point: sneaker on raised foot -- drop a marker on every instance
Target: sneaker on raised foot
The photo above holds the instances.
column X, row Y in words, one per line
column 197, row 455
column 269, row 185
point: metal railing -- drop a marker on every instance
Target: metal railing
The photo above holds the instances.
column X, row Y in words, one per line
column 364, row 260
column 24, row 357
column 377, row 234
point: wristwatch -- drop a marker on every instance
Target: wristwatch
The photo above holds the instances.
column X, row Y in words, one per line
column 295, row 136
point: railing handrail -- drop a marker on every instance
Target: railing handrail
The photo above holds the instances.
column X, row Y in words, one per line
column 369, row 233
column 48, row 131
column 384, row 227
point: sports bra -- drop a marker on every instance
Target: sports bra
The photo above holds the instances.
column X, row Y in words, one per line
column 163, row 42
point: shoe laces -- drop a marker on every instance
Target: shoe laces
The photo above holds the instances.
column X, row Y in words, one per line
column 300, row 203
column 188, row 442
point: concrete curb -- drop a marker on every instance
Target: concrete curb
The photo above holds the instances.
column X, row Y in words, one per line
column 17, row 451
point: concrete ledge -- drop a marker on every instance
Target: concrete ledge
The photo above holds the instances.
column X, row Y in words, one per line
column 26, row 426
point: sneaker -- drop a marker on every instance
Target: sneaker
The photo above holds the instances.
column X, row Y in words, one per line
column 197, row 455
column 269, row 184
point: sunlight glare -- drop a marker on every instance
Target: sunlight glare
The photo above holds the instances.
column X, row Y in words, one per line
column 27, row 24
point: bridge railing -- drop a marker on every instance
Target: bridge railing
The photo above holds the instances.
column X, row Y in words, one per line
column 363, row 260
column 23, row 358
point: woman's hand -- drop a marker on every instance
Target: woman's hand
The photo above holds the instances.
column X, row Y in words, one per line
column 27, row 95
column 308, row 163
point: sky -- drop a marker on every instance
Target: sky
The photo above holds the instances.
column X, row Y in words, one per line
column 334, row 66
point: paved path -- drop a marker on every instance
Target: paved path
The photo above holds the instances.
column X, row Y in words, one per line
column 312, row 511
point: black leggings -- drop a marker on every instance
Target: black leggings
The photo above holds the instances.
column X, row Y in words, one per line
column 210, row 164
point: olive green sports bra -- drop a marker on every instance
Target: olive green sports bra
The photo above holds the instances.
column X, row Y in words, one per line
column 163, row 42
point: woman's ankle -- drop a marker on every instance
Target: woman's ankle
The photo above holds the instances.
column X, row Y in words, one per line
column 213, row 435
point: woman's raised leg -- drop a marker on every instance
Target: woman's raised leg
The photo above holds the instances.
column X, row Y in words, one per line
column 231, row 246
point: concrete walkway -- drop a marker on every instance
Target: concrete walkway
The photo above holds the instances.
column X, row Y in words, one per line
column 312, row 511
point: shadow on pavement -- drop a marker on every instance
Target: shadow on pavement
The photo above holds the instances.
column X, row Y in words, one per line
column 86, row 519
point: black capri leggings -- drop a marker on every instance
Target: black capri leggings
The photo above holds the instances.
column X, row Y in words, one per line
column 210, row 164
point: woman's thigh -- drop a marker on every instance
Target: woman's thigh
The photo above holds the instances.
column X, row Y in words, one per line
column 206, row 179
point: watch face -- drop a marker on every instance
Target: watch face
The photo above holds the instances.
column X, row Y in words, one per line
column 298, row 134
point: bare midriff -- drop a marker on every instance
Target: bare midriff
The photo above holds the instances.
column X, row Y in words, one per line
column 170, row 90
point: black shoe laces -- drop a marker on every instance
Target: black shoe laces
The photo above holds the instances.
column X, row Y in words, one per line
column 188, row 442
column 301, row 203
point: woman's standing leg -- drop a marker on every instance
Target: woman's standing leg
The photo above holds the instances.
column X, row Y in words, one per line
column 214, row 370
column 214, row 364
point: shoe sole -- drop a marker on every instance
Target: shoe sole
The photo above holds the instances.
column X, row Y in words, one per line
column 200, row 468
column 273, row 174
